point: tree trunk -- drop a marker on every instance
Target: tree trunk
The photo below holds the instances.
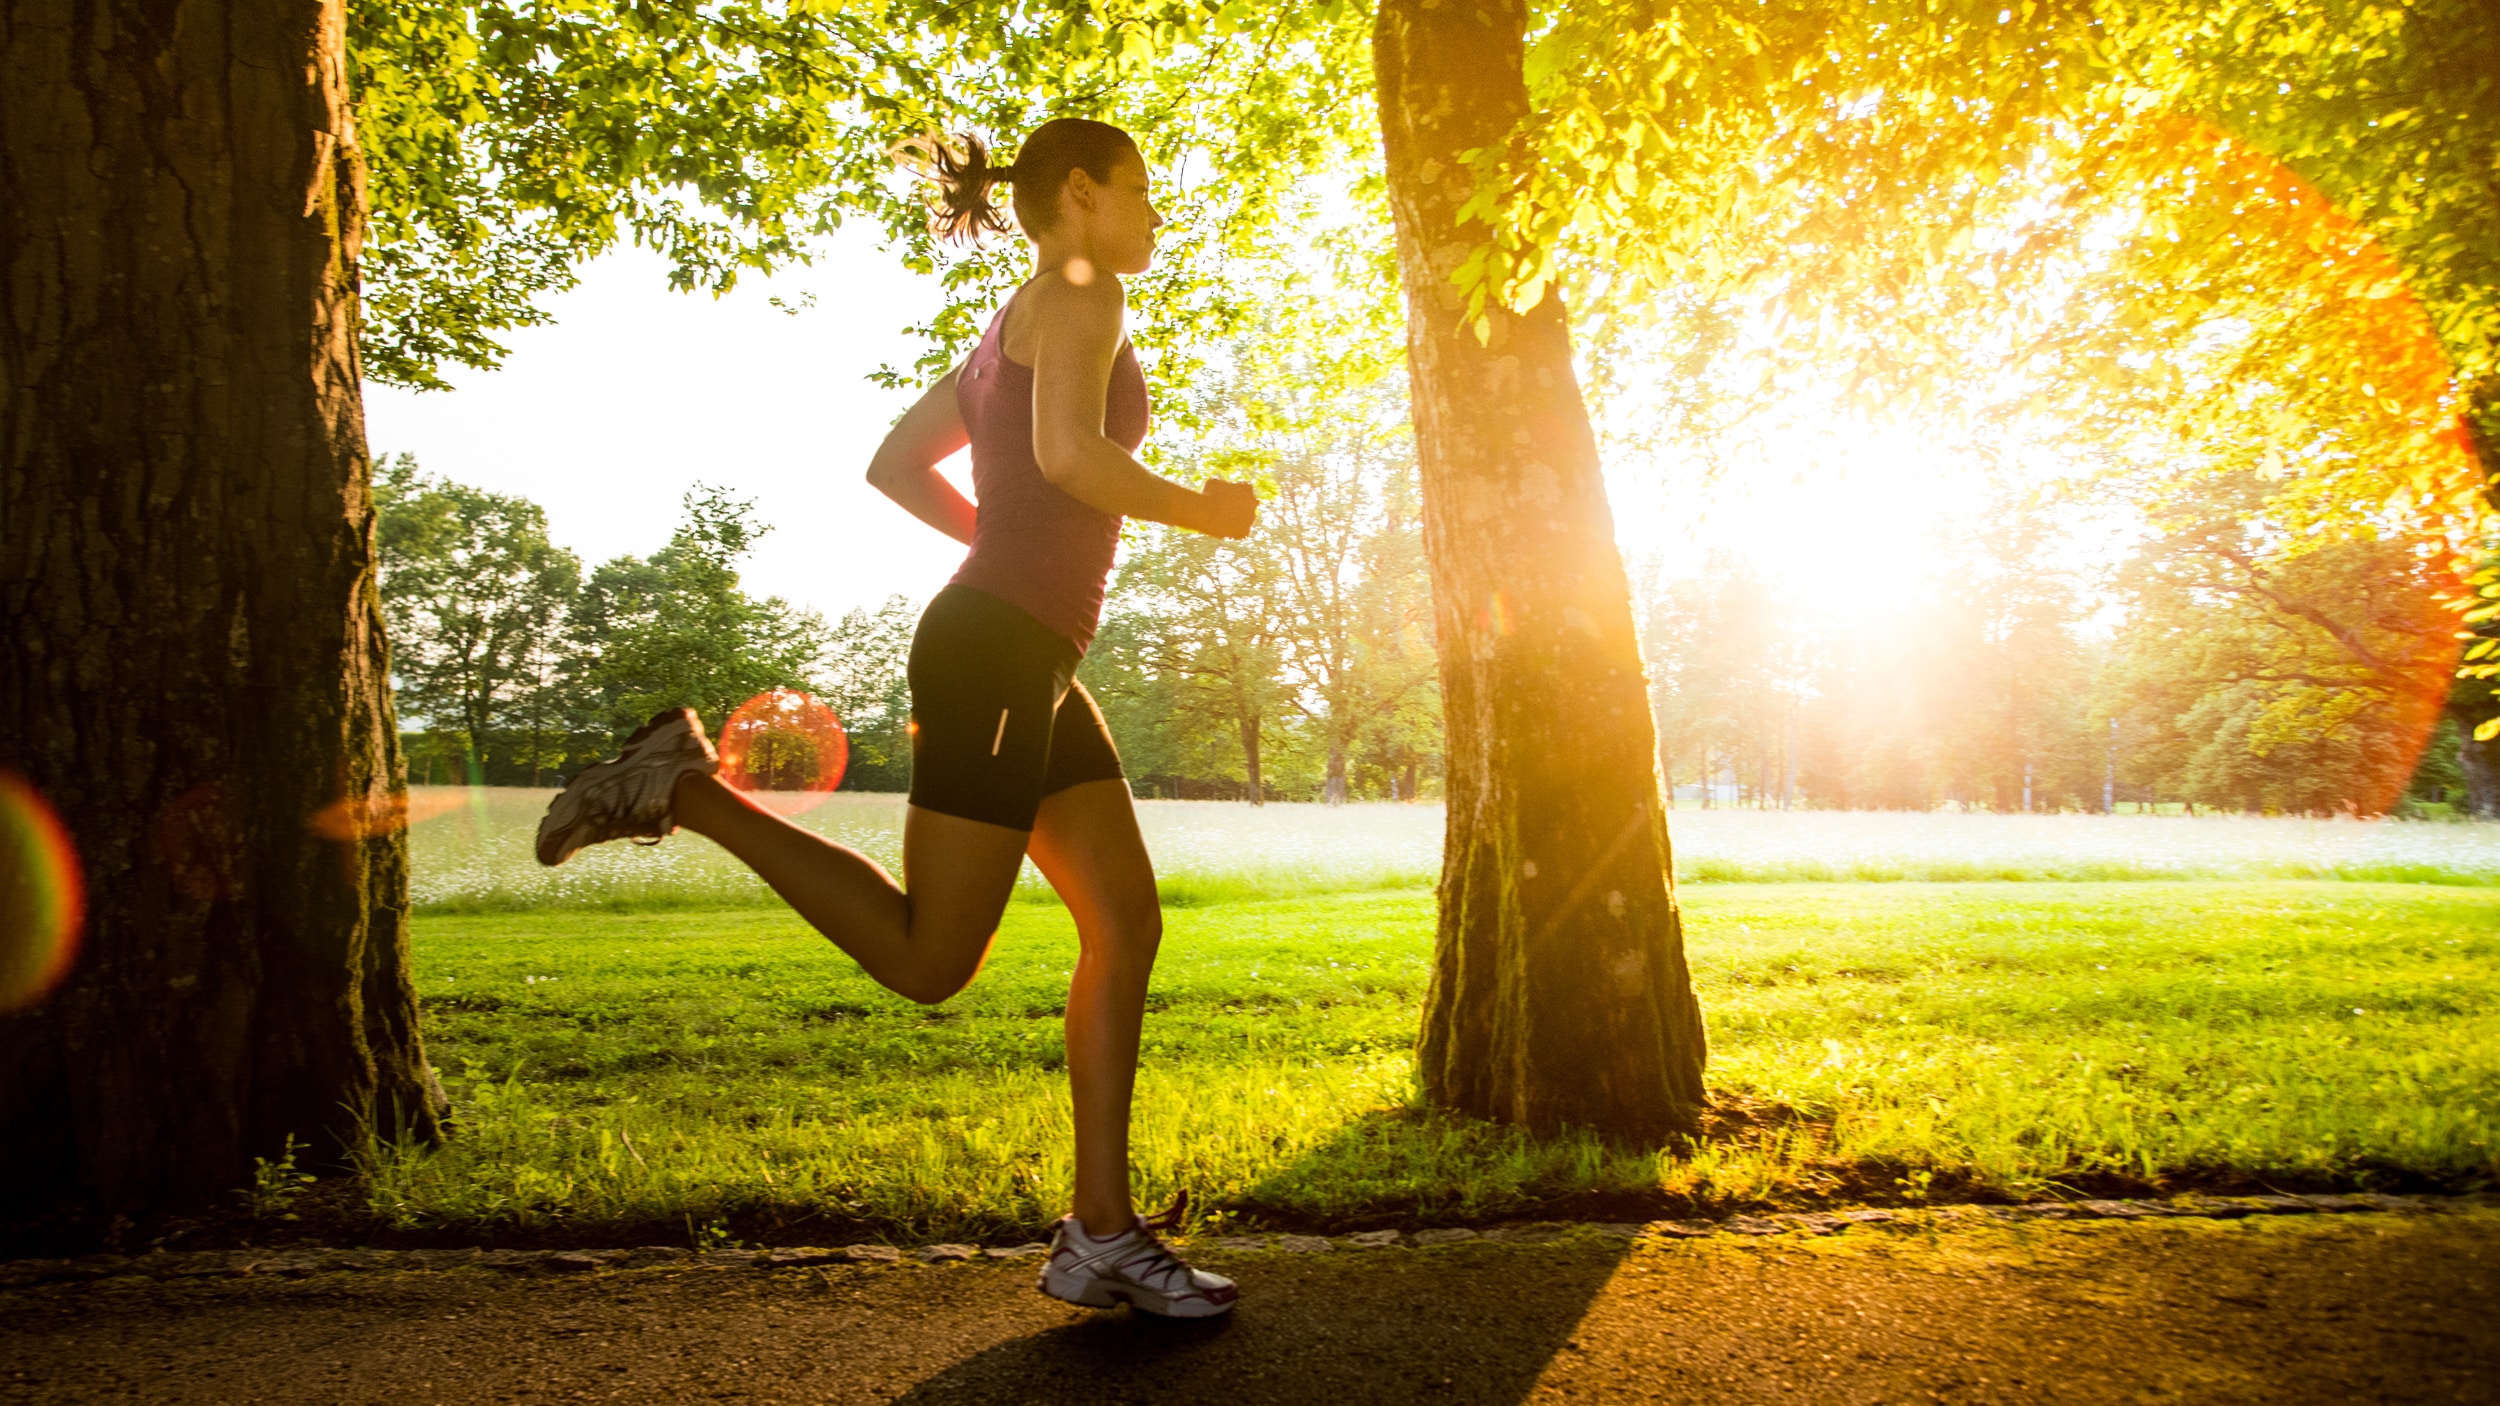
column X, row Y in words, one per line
column 193, row 667
column 1560, row 995
column 2480, row 761
column 1249, row 727
column 2470, row 704
column 1334, row 792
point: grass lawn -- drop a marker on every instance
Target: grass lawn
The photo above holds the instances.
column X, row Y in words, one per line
column 714, row 1074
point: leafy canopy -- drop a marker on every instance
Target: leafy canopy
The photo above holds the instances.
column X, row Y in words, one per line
column 1874, row 172
column 508, row 141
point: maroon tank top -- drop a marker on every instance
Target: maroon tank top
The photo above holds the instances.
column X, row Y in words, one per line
column 1034, row 545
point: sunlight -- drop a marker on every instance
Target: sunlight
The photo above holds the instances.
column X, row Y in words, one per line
column 1842, row 468
column 1833, row 517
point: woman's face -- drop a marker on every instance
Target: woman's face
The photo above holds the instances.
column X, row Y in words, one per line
column 1121, row 222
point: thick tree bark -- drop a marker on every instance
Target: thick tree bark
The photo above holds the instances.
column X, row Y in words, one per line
column 1560, row 995
column 192, row 665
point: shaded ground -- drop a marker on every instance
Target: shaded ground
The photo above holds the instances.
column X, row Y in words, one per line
column 2288, row 1309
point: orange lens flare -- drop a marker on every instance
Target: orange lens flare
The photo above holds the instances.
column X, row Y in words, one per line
column 365, row 817
column 784, row 749
column 43, row 896
column 2410, row 404
column 2361, row 296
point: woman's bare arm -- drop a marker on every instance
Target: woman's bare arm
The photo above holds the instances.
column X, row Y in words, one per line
column 1080, row 328
column 904, row 467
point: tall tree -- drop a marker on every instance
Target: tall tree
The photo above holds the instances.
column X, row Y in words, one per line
column 476, row 598
column 1560, row 994
column 193, row 668
column 1726, row 661
column 2019, row 684
column 861, row 676
column 2305, row 682
column 1400, row 731
column 676, row 630
column 1306, row 405
column 1196, row 619
column 2471, row 708
column 2474, row 704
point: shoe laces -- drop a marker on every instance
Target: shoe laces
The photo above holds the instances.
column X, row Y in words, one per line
column 615, row 808
column 1149, row 1260
column 1137, row 1255
column 610, row 809
column 1169, row 1216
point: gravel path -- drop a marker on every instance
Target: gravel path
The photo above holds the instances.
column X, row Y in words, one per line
column 2363, row 1307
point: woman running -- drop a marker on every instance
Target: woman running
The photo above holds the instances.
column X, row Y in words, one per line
column 1009, row 755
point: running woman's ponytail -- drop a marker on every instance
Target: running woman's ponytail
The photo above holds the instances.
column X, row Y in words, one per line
column 965, row 211
column 965, row 207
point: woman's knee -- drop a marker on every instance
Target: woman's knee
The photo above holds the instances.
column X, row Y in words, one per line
column 932, row 987
column 944, row 958
column 1127, row 938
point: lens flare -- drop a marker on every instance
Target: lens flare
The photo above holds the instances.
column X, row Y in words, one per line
column 369, row 817
column 43, row 896
column 2361, row 299
column 1494, row 615
column 2421, row 462
column 785, row 749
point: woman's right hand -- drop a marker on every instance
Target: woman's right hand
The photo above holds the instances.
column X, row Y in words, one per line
column 1230, row 508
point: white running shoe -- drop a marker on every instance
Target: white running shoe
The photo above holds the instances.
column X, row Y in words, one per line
column 627, row 797
column 1134, row 1268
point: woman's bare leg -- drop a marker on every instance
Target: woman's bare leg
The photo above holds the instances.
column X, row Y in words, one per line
column 1087, row 845
column 926, row 943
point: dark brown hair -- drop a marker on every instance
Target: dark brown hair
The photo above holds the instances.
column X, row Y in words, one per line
column 966, row 210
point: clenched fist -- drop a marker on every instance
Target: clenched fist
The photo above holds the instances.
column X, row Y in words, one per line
column 1230, row 510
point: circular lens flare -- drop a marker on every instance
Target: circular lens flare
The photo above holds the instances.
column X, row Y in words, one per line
column 43, row 896
column 784, row 749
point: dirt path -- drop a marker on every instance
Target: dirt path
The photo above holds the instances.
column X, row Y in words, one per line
column 2294, row 1309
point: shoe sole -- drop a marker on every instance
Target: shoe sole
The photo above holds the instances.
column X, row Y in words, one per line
column 1100, row 1294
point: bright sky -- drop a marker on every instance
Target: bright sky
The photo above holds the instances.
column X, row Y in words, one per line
column 606, row 416
column 634, row 393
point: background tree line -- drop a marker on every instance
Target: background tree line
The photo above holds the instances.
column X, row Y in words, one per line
column 512, row 666
column 2209, row 667
column 1296, row 663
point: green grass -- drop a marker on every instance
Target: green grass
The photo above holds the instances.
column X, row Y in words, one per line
column 711, row 1073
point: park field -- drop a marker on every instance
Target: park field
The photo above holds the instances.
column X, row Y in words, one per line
column 471, row 850
column 725, row 1074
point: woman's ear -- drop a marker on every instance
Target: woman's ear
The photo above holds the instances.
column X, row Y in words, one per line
column 1083, row 189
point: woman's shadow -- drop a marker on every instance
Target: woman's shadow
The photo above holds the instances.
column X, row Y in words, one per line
column 1474, row 1322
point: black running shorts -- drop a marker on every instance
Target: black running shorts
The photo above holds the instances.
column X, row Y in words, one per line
column 998, row 719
